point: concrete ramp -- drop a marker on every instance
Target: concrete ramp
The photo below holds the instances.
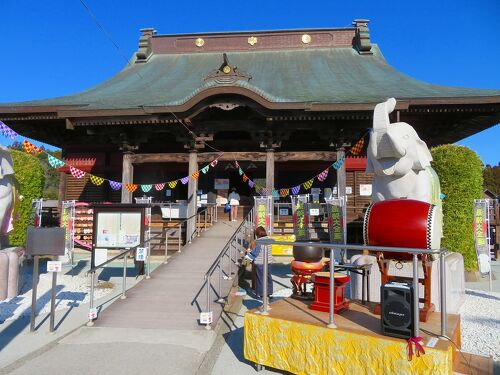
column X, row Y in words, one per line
column 165, row 301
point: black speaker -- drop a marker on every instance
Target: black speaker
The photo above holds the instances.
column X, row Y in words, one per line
column 396, row 303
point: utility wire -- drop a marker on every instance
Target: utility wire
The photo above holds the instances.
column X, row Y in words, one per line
column 122, row 54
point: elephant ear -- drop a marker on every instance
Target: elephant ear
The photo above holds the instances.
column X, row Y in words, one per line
column 424, row 156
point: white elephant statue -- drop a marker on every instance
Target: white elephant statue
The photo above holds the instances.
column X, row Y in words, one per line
column 6, row 191
column 400, row 160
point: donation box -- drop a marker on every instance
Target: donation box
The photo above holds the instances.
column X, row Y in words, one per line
column 45, row 241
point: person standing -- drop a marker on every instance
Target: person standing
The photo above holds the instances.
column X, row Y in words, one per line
column 256, row 255
column 234, row 202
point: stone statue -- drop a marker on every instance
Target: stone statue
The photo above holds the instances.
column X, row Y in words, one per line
column 400, row 160
column 7, row 191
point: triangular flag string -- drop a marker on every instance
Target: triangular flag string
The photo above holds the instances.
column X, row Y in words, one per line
column 54, row 162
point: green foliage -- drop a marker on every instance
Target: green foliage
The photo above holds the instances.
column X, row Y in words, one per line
column 51, row 185
column 491, row 177
column 460, row 172
column 30, row 175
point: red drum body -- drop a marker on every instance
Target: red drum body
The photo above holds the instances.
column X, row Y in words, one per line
column 401, row 223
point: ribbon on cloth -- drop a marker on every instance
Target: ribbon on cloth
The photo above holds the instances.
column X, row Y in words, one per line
column 419, row 349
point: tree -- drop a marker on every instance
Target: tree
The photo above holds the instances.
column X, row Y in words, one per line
column 460, row 172
column 491, row 177
column 29, row 173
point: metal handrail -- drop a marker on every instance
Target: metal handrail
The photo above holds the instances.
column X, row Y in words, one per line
column 266, row 242
column 219, row 264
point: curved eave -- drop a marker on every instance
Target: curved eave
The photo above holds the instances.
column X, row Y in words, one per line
column 327, row 79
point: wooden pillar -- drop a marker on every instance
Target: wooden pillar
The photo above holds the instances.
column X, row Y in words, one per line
column 63, row 185
column 127, row 177
column 270, row 170
column 192, row 194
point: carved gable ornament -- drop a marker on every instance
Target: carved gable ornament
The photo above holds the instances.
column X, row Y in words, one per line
column 227, row 74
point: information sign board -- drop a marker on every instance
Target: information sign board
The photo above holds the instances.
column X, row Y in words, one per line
column 54, row 266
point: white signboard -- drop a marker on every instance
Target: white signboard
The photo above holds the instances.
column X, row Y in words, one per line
column 221, row 183
column 314, row 212
column 93, row 313
column 365, row 190
column 54, row 266
column 284, row 211
column 100, row 256
column 206, row 317
column 140, row 254
column 118, row 229
column 348, row 189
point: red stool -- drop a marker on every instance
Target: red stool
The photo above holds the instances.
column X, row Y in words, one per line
column 321, row 282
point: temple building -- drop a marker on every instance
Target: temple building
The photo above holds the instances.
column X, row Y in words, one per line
column 283, row 104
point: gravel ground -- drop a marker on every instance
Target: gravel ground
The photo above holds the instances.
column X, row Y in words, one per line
column 71, row 292
column 480, row 320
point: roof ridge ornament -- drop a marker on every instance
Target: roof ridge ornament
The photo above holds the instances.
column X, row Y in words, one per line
column 227, row 73
column 362, row 40
column 145, row 50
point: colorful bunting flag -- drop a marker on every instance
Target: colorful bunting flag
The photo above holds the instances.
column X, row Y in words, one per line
column 131, row 187
column 115, row 185
column 236, row 164
column 31, row 148
column 159, row 187
column 275, row 193
column 76, row 173
column 185, row 180
column 96, row 180
column 245, row 178
column 55, row 162
column 240, row 171
column 307, row 185
column 7, row 132
column 296, row 190
column 146, row 188
column 264, row 191
column 284, row 192
column 195, row 175
column 323, row 175
column 356, row 149
column 251, row 184
column 338, row 164
column 214, row 163
column 172, row 184
column 205, row 169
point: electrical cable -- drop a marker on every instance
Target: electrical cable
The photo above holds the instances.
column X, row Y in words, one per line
column 454, row 344
column 122, row 54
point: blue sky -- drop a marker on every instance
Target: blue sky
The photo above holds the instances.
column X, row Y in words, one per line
column 53, row 48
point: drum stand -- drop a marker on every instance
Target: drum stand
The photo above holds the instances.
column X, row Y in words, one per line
column 428, row 307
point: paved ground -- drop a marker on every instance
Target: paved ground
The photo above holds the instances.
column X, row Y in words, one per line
column 177, row 346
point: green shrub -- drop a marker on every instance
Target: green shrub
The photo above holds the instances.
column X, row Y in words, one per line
column 460, row 172
column 29, row 174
